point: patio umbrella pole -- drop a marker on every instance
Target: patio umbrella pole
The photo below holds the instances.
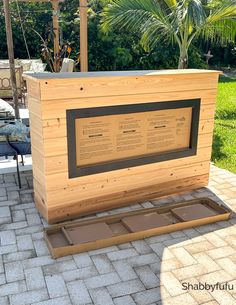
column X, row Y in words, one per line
column 11, row 56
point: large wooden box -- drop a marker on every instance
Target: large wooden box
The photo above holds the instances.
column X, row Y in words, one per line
column 102, row 140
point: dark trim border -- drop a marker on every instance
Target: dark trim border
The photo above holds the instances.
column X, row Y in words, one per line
column 73, row 114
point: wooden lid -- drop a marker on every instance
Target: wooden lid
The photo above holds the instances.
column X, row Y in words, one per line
column 44, row 75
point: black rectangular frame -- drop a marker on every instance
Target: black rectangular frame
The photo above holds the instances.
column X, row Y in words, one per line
column 73, row 114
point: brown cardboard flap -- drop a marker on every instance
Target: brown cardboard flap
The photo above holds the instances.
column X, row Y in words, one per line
column 195, row 211
column 145, row 222
column 90, row 232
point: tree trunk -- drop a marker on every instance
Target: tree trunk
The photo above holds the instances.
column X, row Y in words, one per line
column 183, row 59
column 10, row 49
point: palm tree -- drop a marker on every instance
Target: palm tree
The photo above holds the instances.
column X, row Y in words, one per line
column 179, row 21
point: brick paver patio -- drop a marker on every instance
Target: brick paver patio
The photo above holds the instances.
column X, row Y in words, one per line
column 145, row 272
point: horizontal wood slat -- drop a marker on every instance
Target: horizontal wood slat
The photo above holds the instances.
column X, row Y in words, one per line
column 33, row 89
column 112, row 185
column 57, row 164
column 56, row 213
column 56, row 128
column 52, row 109
column 60, row 180
column 58, row 146
column 51, row 89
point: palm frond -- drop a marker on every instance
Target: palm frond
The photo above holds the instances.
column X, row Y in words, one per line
column 155, row 32
column 225, row 10
column 119, row 19
column 220, row 24
column 175, row 20
column 196, row 13
column 138, row 16
column 172, row 4
column 221, row 31
column 124, row 13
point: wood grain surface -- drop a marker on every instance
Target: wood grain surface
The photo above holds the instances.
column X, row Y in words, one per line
column 58, row 197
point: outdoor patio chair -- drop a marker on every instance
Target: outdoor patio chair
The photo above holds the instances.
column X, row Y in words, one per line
column 5, row 83
column 14, row 142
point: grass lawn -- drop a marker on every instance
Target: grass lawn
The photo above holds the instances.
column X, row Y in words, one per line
column 224, row 142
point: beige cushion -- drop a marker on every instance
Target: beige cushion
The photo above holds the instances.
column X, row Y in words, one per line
column 25, row 63
column 5, row 106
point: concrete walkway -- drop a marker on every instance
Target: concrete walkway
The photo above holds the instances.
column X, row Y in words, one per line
column 156, row 270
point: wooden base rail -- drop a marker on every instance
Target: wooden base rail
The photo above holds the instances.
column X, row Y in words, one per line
column 85, row 235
